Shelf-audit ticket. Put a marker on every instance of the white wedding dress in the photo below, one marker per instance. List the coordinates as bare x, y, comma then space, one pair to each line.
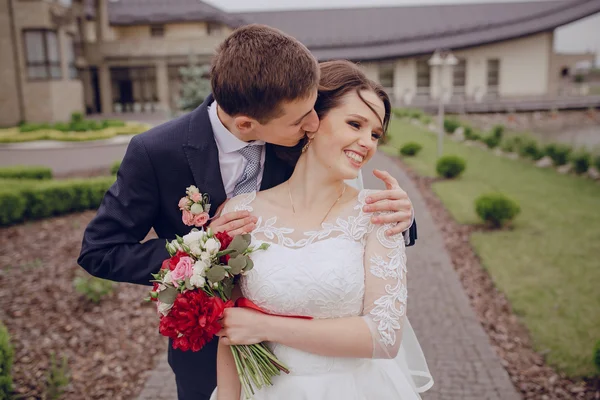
346, 268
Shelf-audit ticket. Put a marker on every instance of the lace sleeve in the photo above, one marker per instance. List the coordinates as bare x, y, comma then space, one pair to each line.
240, 203
384, 307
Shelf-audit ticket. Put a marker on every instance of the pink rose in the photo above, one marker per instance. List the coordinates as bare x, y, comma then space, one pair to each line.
201, 219
183, 202
188, 218
183, 269
196, 197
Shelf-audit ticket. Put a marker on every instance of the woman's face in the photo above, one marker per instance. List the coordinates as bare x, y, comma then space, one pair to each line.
348, 135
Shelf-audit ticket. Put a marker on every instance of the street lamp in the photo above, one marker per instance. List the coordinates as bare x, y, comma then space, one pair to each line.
440, 60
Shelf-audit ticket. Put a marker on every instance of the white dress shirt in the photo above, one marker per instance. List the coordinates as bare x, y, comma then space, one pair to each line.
232, 163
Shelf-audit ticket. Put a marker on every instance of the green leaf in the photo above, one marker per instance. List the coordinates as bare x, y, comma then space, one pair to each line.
188, 285
227, 287
216, 274
249, 265
239, 244
168, 295
237, 264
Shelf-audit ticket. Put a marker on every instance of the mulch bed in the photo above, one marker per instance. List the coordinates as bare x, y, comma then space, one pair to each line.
527, 369
110, 347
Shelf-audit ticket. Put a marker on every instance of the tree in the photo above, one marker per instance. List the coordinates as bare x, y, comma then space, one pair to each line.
195, 85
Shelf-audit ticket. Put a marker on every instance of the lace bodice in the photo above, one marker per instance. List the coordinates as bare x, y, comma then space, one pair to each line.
346, 268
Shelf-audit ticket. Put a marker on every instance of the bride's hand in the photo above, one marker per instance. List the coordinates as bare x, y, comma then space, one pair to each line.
393, 199
242, 326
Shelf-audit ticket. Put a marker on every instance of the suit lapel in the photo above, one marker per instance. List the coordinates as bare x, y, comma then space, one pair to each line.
275, 170
203, 156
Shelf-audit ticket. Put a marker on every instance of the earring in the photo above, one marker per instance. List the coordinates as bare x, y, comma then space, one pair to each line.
306, 145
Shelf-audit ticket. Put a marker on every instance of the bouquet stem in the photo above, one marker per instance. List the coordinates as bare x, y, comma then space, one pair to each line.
256, 365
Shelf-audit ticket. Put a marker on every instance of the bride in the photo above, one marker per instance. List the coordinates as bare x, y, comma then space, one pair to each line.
328, 260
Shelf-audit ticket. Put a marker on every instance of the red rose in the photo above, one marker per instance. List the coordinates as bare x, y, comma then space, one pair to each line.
193, 320
171, 263
224, 239
154, 289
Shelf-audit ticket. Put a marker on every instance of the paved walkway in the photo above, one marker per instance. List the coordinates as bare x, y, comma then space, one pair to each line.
461, 360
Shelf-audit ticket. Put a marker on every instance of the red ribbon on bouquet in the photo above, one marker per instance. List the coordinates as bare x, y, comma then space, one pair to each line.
245, 303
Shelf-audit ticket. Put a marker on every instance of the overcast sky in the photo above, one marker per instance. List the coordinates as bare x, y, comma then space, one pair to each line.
580, 36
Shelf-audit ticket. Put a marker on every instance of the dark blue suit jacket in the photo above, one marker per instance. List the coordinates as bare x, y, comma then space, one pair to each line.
158, 166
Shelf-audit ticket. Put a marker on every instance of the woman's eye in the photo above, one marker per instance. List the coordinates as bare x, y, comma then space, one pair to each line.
376, 136
354, 124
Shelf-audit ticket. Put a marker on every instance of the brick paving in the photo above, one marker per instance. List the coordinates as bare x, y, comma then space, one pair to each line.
458, 351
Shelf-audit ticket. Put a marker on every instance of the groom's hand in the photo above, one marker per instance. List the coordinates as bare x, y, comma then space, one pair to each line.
235, 223
394, 200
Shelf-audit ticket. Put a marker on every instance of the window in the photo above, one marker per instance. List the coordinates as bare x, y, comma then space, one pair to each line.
386, 74
423, 74
42, 55
213, 28
459, 74
70, 43
493, 75
157, 30
66, 3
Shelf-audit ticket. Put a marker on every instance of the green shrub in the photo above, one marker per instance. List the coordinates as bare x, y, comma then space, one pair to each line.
62, 126
426, 119
529, 148
76, 117
410, 149
491, 141
450, 166
22, 200
400, 112
597, 162
498, 131
94, 289
114, 168
511, 144
25, 172
450, 125
597, 355
471, 134
415, 113
32, 127
496, 209
559, 153
6, 361
112, 123
581, 161
57, 377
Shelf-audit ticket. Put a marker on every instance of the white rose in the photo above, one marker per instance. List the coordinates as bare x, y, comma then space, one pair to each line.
167, 277
200, 268
164, 308
192, 189
212, 246
205, 256
193, 237
195, 249
197, 280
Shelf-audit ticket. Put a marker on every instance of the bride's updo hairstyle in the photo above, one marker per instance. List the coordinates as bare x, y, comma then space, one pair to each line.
338, 78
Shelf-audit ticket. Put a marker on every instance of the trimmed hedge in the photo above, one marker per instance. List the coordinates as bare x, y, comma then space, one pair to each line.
6, 361
450, 125
581, 161
26, 200
410, 149
559, 153
114, 168
529, 148
496, 209
450, 166
26, 172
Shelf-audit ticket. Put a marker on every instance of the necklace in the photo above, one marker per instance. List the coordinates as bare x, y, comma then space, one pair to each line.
328, 211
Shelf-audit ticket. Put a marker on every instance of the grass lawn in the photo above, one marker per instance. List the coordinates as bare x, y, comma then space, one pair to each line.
549, 264
13, 135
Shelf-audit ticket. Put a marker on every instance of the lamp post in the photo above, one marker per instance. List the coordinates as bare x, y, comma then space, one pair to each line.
440, 60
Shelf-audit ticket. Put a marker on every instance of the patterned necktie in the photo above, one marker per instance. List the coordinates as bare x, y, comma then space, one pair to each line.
248, 182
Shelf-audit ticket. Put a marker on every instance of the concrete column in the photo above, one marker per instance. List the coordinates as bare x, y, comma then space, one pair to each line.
102, 23
64, 51
162, 84
405, 80
105, 88
476, 76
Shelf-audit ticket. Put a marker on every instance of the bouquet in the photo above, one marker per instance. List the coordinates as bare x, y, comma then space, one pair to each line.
193, 288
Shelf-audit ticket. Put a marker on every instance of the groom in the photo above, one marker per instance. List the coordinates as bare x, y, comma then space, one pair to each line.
264, 87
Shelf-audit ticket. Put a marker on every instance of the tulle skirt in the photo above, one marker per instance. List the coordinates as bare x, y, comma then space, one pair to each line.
314, 377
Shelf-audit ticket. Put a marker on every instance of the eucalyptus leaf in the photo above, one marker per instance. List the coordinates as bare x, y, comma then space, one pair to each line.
216, 274
239, 244
237, 264
168, 295
227, 287
249, 265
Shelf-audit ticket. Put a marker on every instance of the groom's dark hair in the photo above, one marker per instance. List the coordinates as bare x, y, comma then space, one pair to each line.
257, 68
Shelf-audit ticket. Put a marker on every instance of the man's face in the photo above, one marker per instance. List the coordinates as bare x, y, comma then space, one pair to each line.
298, 117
